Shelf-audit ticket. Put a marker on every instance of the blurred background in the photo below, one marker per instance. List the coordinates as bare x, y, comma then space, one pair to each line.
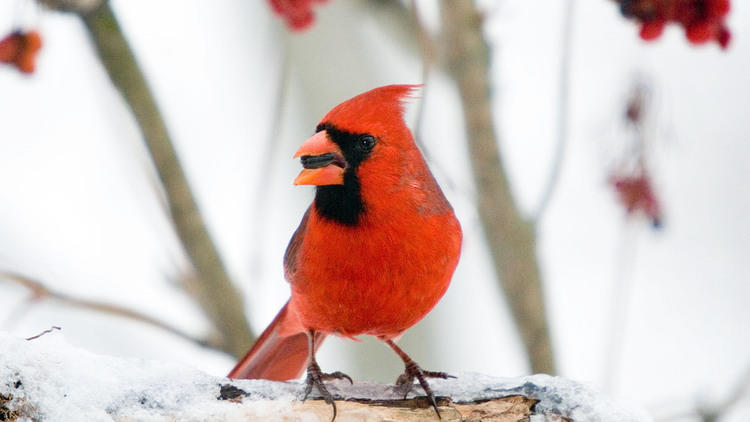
626, 159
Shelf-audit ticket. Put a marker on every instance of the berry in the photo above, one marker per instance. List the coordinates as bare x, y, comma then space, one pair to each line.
652, 30
298, 14
20, 50
703, 20
635, 192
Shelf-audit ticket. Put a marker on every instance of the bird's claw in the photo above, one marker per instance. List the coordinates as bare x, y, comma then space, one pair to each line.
405, 382
316, 378
338, 375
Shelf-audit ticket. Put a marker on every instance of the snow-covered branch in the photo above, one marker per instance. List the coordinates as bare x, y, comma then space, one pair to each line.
48, 379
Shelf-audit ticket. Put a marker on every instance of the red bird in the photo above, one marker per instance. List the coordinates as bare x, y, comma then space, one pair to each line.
374, 252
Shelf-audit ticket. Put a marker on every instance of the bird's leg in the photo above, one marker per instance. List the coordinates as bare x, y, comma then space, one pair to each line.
315, 376
405, 381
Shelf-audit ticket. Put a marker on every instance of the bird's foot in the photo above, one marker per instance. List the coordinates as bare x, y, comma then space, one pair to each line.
316, 378
405, 382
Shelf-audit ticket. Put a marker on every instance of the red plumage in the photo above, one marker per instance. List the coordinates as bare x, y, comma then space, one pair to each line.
377, 270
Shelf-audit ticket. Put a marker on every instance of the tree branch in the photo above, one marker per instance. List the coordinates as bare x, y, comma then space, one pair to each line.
563, 115
40, 291
219, 299
47, 331
510, 238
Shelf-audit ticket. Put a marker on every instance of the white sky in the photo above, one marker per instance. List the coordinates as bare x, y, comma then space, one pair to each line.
78, 210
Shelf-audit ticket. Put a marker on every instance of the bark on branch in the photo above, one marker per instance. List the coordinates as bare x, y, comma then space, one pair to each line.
511, 239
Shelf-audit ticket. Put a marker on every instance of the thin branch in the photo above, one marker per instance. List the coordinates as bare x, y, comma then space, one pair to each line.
742, 389
81, 7
713, 413
511, 239
563, 112
272, 139
217, 296
716, 412
47, 331
619, 306
41, 292
428, 50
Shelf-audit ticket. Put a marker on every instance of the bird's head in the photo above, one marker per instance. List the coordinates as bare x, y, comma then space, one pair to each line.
366, 127
361, 142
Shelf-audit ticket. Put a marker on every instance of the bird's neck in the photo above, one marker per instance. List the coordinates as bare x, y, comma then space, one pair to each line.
341, 203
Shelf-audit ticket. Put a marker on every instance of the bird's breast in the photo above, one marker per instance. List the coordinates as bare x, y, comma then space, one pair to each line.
378, 277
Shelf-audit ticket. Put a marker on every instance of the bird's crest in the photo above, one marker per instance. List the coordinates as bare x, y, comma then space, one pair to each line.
379, 107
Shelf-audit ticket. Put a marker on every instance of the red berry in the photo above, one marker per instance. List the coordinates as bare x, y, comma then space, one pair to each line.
718, 8
700, 32
9, 47
636, 194
20, 49
703, 20
652, 30
724, 37
297, 13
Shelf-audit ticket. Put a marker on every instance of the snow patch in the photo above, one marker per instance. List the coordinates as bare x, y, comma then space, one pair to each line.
55, 381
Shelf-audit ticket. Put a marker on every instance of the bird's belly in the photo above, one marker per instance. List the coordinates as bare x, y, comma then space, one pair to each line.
369, 289
375, 305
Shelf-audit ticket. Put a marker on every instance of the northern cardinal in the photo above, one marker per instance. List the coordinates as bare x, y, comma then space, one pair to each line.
374, 252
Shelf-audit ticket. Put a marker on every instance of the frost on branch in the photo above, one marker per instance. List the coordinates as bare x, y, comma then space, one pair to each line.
47, 379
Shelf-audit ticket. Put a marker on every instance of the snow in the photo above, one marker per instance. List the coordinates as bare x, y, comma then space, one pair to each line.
63, 383
52, 380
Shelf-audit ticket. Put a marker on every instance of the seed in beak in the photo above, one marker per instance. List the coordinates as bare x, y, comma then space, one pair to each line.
317, 161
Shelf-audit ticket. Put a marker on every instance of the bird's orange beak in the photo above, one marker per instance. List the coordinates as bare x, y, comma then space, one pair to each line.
323, 162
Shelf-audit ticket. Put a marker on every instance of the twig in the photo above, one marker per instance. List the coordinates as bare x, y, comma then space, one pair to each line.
510, 238
563, 114
743, 388
217, 296
47, 331
714, 413
619, 306
81, 7
40, 291
272, 139
427, 49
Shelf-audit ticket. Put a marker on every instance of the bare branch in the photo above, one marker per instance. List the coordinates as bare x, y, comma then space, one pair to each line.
715, 413
712, 412
47, 331
81, 7
563, 115
40, 291
216, 294
428, 50
511, 239
619, 306
272, 139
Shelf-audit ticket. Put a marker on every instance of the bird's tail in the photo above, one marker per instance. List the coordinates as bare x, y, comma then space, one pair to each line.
276, 355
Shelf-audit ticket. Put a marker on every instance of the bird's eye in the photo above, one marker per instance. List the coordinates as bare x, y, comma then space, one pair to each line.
367, 142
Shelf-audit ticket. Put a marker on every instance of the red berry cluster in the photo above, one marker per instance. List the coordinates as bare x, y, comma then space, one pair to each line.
298, 14
636, 194
703, 20
20, 49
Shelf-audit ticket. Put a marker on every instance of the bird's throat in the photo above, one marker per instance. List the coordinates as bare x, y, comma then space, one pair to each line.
341, 203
